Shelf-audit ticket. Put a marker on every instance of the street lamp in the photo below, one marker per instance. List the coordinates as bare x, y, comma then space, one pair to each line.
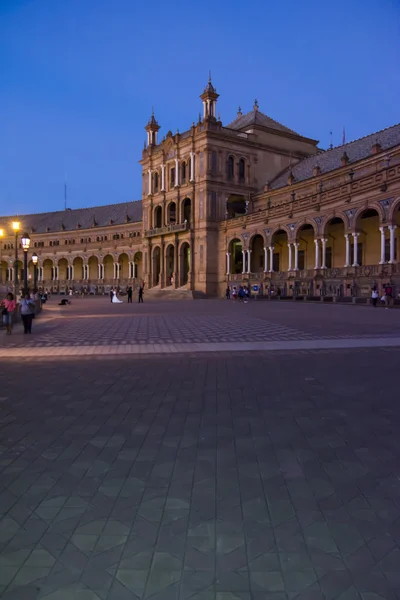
26, 242
35, 259
15, 226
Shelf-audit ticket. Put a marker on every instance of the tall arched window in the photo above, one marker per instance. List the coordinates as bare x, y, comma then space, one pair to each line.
156, 182
183, 172
242, 170
231, 167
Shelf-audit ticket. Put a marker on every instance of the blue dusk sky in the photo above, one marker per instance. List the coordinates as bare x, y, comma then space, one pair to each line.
79, 78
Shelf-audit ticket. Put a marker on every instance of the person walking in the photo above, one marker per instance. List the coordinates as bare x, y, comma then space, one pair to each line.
27, 308
111, 294
8, 306
388, 295
228, 293
374, 296
130, 295
140, 298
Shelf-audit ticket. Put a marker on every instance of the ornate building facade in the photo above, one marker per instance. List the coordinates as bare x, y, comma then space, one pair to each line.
252, 202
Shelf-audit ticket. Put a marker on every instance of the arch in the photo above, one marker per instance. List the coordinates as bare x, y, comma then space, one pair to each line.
48, 269
138, 262
158, 220
242, 170
235, 248
93, 266
3, 271
253, 235
62, 268
186, 210
169, 264
123, 261
78, 267
394, 209
333, 217
368, 210
230, 168
108, 262
257, 256
306, 225
171, 213
156, 265
278, 229
236, 205
184, 271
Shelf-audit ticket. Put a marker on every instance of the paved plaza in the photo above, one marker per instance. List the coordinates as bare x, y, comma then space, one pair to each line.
222, 474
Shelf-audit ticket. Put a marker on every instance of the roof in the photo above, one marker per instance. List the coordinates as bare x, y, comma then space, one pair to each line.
329, 160
256, 117
79, 218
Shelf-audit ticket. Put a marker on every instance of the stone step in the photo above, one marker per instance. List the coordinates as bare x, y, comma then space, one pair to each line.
168, 294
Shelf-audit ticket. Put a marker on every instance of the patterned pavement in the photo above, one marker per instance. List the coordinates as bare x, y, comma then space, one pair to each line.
254, 477
96, 326
215, 476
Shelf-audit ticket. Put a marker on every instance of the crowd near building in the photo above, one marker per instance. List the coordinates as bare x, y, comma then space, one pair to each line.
249, 203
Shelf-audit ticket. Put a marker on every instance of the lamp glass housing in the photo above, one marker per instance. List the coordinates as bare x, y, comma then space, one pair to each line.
26, 242
35, 259
16, 225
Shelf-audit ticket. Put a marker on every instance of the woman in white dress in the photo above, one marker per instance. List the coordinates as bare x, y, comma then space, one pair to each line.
115, 299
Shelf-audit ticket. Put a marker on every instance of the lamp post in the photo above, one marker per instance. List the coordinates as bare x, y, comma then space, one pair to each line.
26, 242
15, 227
35, 259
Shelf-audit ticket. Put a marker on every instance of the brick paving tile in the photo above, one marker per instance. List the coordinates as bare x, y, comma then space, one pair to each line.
213, 476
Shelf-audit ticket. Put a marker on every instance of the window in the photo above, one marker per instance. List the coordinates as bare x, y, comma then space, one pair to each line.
301, 260
189, 166
328, 257
214, 162
183, 172
242, 170
156, 182
359, 254
231, 167
387, 250
275, 262
172, 177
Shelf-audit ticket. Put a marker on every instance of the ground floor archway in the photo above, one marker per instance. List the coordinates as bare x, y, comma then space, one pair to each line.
184, 263
156, 265
169, 264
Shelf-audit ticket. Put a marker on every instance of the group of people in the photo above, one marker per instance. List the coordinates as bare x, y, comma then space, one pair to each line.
386, 298
243, 293
114, 295
26, 306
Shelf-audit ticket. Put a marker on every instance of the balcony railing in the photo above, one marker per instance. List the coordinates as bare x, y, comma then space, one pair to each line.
173, 228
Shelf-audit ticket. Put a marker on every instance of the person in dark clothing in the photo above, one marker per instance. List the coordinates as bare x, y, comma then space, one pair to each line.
140, 294
130, 295
111, 294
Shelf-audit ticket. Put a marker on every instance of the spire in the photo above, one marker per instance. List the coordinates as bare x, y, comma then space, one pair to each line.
209, 98
255, 107
239, 114
152, 129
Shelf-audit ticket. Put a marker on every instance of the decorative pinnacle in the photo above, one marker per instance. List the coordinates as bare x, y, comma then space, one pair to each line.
256, 104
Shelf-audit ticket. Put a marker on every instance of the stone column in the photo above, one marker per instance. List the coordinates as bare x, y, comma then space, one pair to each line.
355, 241
244, 261
163, 178
316, 242
271, 257
296, 256
249, 261
324, 241
192, 155
382, 230
392, 231
265, 260
228, 263
290, 257
348, 257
